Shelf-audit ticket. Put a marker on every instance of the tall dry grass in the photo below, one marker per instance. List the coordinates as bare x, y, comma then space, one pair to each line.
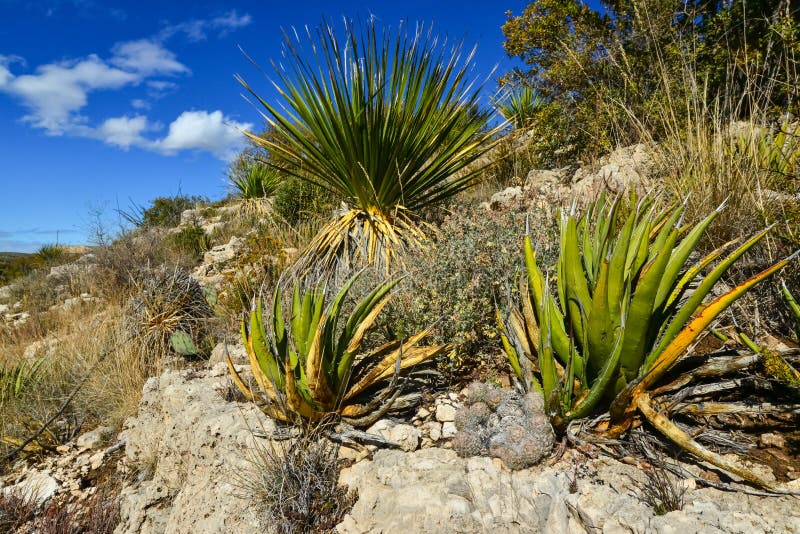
88, 342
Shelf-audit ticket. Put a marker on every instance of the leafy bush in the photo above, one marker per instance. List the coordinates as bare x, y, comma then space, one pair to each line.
457, 282
603, 68
164, 212
298, 201
191, 241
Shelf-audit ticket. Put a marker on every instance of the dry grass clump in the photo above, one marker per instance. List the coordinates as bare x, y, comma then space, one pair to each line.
296, 484
166, 300
99, 515
16, 509
660, 490
82, 345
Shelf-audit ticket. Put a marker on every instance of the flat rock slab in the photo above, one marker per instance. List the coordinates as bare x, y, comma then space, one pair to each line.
433, 490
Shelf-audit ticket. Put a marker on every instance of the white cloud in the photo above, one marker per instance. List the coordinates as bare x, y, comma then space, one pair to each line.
125, 132
138, 103
147, 58
197, 30
201, 130
231, 21
57, 92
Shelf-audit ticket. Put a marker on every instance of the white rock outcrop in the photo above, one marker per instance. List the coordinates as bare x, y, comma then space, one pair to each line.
189, 451
433, 491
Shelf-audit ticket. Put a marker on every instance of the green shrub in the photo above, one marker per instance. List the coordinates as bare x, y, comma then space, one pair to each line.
457, 282
191, 241
298, 201
164, 212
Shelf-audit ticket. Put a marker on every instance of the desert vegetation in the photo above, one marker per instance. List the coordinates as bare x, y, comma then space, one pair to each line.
365, 262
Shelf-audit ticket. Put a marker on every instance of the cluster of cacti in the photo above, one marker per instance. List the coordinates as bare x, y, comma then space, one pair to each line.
503, 424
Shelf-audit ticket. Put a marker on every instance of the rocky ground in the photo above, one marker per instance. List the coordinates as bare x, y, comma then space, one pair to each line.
189, 451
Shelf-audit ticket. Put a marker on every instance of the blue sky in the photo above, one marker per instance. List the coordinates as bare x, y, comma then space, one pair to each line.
107, 103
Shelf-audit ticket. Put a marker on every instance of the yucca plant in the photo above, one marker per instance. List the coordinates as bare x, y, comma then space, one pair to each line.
518, 106
255, 185
623, 313
311, 367
386, 122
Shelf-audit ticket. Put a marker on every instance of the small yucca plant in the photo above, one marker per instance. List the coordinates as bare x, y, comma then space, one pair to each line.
310, 366
386, 123
256, 185
623, 313
518, 106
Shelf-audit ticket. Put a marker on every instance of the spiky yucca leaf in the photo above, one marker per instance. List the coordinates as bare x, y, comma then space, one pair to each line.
256, 185
304, 366
519, 105
386, 122
620, 321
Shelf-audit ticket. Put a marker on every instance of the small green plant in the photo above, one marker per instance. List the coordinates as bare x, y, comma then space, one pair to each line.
183, 344
794, 308
191, 241
622, 316
383, 122
50, 254
256, 185
14, 380
519, 106
308, 367
660, 490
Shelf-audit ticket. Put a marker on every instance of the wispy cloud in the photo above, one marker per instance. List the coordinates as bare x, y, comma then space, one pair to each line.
56, 95
198, 29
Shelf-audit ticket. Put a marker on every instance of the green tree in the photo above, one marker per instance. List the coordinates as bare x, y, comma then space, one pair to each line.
631, 58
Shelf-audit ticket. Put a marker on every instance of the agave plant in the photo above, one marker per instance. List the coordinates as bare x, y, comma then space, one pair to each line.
310, 367
387, 123
519, 105
624, 313
255, 185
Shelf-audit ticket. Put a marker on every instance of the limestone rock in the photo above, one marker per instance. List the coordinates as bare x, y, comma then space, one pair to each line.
36, 485
507, 197
433, 490
236, 351
95, 438
445, 413
407, 436
189, 445
224, 253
